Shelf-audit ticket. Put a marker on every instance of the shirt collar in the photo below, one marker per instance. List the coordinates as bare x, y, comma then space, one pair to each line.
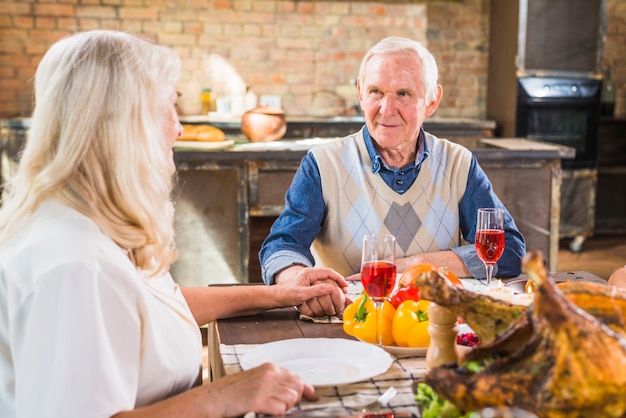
377, 160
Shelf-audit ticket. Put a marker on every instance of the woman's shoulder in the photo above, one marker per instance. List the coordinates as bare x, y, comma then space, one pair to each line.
58, 225
57, 235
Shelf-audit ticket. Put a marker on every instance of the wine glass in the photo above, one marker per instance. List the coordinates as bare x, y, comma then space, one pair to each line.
490, 237
378, 273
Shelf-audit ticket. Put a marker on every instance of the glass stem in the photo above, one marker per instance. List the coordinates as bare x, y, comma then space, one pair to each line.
489, 268
378, 306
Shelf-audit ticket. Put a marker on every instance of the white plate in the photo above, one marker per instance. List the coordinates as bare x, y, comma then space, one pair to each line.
322, 361
417, 351
405, 351
402, 351
421, 351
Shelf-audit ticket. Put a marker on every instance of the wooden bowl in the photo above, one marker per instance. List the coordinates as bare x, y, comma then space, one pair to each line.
264, 124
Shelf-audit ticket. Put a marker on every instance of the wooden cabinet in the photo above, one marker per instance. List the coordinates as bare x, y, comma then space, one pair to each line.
225, 204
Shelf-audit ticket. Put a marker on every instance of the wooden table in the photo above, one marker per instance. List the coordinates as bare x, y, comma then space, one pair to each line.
285, 323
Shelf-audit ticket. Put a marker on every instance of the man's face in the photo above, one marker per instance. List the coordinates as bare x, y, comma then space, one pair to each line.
392, 95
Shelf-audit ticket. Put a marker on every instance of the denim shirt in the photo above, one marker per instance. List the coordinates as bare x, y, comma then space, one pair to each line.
290, 238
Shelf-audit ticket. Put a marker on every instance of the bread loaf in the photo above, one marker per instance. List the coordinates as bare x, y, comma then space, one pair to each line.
205, 133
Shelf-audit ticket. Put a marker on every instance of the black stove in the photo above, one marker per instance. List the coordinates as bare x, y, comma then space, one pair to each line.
563, 111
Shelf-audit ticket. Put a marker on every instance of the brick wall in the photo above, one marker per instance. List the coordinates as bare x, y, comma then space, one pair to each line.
305, 51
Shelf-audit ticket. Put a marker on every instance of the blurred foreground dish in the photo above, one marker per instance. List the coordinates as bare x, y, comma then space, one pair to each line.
564, 356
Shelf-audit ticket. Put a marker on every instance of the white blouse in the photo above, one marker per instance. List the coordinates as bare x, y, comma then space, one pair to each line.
82, 332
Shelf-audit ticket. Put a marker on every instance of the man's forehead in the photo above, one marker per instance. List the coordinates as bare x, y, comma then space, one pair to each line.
404, 74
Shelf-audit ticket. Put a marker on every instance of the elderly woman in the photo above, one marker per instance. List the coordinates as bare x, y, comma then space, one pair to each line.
91, 322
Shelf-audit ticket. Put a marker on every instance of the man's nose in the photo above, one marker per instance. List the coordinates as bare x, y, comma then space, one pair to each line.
388, 104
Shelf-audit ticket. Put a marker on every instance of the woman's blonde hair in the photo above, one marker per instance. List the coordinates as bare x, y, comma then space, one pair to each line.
97, 142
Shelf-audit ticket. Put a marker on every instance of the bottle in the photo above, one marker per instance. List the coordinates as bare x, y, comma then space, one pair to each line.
250, 99
205, 98
607, 98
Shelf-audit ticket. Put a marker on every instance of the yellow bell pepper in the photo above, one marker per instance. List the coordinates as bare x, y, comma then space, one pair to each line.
359, 320
410, 324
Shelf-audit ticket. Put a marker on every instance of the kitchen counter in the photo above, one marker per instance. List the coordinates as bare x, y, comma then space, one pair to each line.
491, 148
299, 127
227, 199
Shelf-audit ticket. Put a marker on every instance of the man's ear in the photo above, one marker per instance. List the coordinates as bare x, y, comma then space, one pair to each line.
434, 104
358, 89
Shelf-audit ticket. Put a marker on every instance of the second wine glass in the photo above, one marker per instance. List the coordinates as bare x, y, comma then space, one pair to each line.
490, 237
378, 273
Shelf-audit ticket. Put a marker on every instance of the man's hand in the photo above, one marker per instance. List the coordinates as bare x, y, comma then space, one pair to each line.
315, 291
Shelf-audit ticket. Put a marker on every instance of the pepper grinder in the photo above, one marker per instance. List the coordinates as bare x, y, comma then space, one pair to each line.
442, 330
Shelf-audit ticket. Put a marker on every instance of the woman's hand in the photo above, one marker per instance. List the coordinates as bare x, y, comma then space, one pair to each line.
267, 389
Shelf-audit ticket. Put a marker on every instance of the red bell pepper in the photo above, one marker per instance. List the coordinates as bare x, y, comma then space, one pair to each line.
405, 292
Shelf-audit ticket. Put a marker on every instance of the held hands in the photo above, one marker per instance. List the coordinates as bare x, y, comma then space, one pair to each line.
267, 389
315, 291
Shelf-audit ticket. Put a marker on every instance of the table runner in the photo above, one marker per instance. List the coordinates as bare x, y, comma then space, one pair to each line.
345, 399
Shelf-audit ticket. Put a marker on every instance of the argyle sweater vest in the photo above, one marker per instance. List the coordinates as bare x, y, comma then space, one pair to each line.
358, 202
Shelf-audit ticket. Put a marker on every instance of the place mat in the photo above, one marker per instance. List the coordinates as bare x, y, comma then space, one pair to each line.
346, 399
322, 319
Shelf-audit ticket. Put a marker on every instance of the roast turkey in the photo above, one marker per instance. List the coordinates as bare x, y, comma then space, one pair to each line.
564, 356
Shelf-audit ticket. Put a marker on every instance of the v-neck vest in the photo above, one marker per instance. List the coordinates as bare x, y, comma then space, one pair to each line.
359, 202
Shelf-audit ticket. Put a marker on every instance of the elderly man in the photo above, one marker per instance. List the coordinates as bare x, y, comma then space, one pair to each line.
390, 177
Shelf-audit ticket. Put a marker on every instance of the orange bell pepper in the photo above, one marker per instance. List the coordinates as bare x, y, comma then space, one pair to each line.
359, 320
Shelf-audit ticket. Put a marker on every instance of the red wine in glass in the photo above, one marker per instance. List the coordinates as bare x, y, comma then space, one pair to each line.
490, 244
378, 278
378, 273
489, 239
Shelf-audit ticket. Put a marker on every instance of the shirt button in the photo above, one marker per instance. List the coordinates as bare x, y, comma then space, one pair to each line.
399, 182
